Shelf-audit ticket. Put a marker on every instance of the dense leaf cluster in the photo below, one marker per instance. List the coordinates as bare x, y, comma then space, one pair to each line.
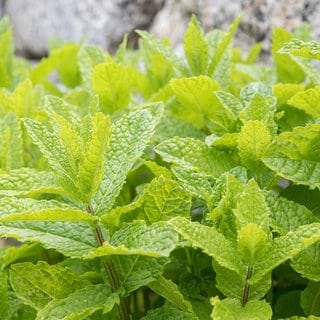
145, 185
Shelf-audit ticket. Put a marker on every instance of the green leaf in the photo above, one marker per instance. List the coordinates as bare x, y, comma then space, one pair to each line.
88, 57
11, 148
210, 241
288, 70
252, 208
199, 103
307, 262
136, 271
304, 172
53, 149
308, 101
252, 243
70, 238
297, 47
92, 165
223, 46
164, 198
112, 83
4, 294
38, 284
6, 53
310, 299
170, 291
23, 99
167, 312
286, 215
165, 50
28, 182
129, 137
135, 238
196, 48
196, 155
253, 140
80, 304
232, 309
286, 247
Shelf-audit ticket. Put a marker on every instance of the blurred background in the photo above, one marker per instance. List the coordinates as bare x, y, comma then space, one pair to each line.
104, 22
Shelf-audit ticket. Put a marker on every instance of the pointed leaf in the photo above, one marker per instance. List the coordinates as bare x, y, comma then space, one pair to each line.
232, 309
196, 48
80, 304
70, 238
196, 155
297, 47
210, 241
38, 284
28, 182
130, 135
170, 291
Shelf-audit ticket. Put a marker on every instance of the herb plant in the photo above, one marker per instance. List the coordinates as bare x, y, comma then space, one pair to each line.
145, 185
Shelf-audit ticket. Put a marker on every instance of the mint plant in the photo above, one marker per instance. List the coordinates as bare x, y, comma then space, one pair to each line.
145, 185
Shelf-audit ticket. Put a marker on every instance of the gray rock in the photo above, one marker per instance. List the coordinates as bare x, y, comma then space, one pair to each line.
99, 22
259, 17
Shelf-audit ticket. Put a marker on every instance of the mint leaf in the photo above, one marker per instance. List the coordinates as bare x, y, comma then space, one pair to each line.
4, 293
297, 47
196, 48
170, 291
80, 304
233, 310
38, 284
167, 312
130, 136
196, 155
310, 299
28, 182
6, 53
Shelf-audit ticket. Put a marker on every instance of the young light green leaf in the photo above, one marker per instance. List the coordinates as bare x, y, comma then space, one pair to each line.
232, 309
288, 70
38, 284
23, 99
28, 182
308, 101
11, 148
74, 239
130, 136
307, 262
111, 82
6, 53
196, 48
252, 243
310, 299
297, 47
170, 291
196, 155
253, 140
88, 57
210, 241
252, 207
91, 165
164, 198
80, 304
167, 312
53, 149
165, 50
286, 215
223, 46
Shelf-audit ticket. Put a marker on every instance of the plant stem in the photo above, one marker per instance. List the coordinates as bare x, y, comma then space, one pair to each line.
123, 307
246, 289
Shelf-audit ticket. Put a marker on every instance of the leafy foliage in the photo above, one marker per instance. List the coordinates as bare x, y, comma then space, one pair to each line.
145, 185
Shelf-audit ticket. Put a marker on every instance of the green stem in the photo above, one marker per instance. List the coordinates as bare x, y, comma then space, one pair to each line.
110, 269
246, 289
